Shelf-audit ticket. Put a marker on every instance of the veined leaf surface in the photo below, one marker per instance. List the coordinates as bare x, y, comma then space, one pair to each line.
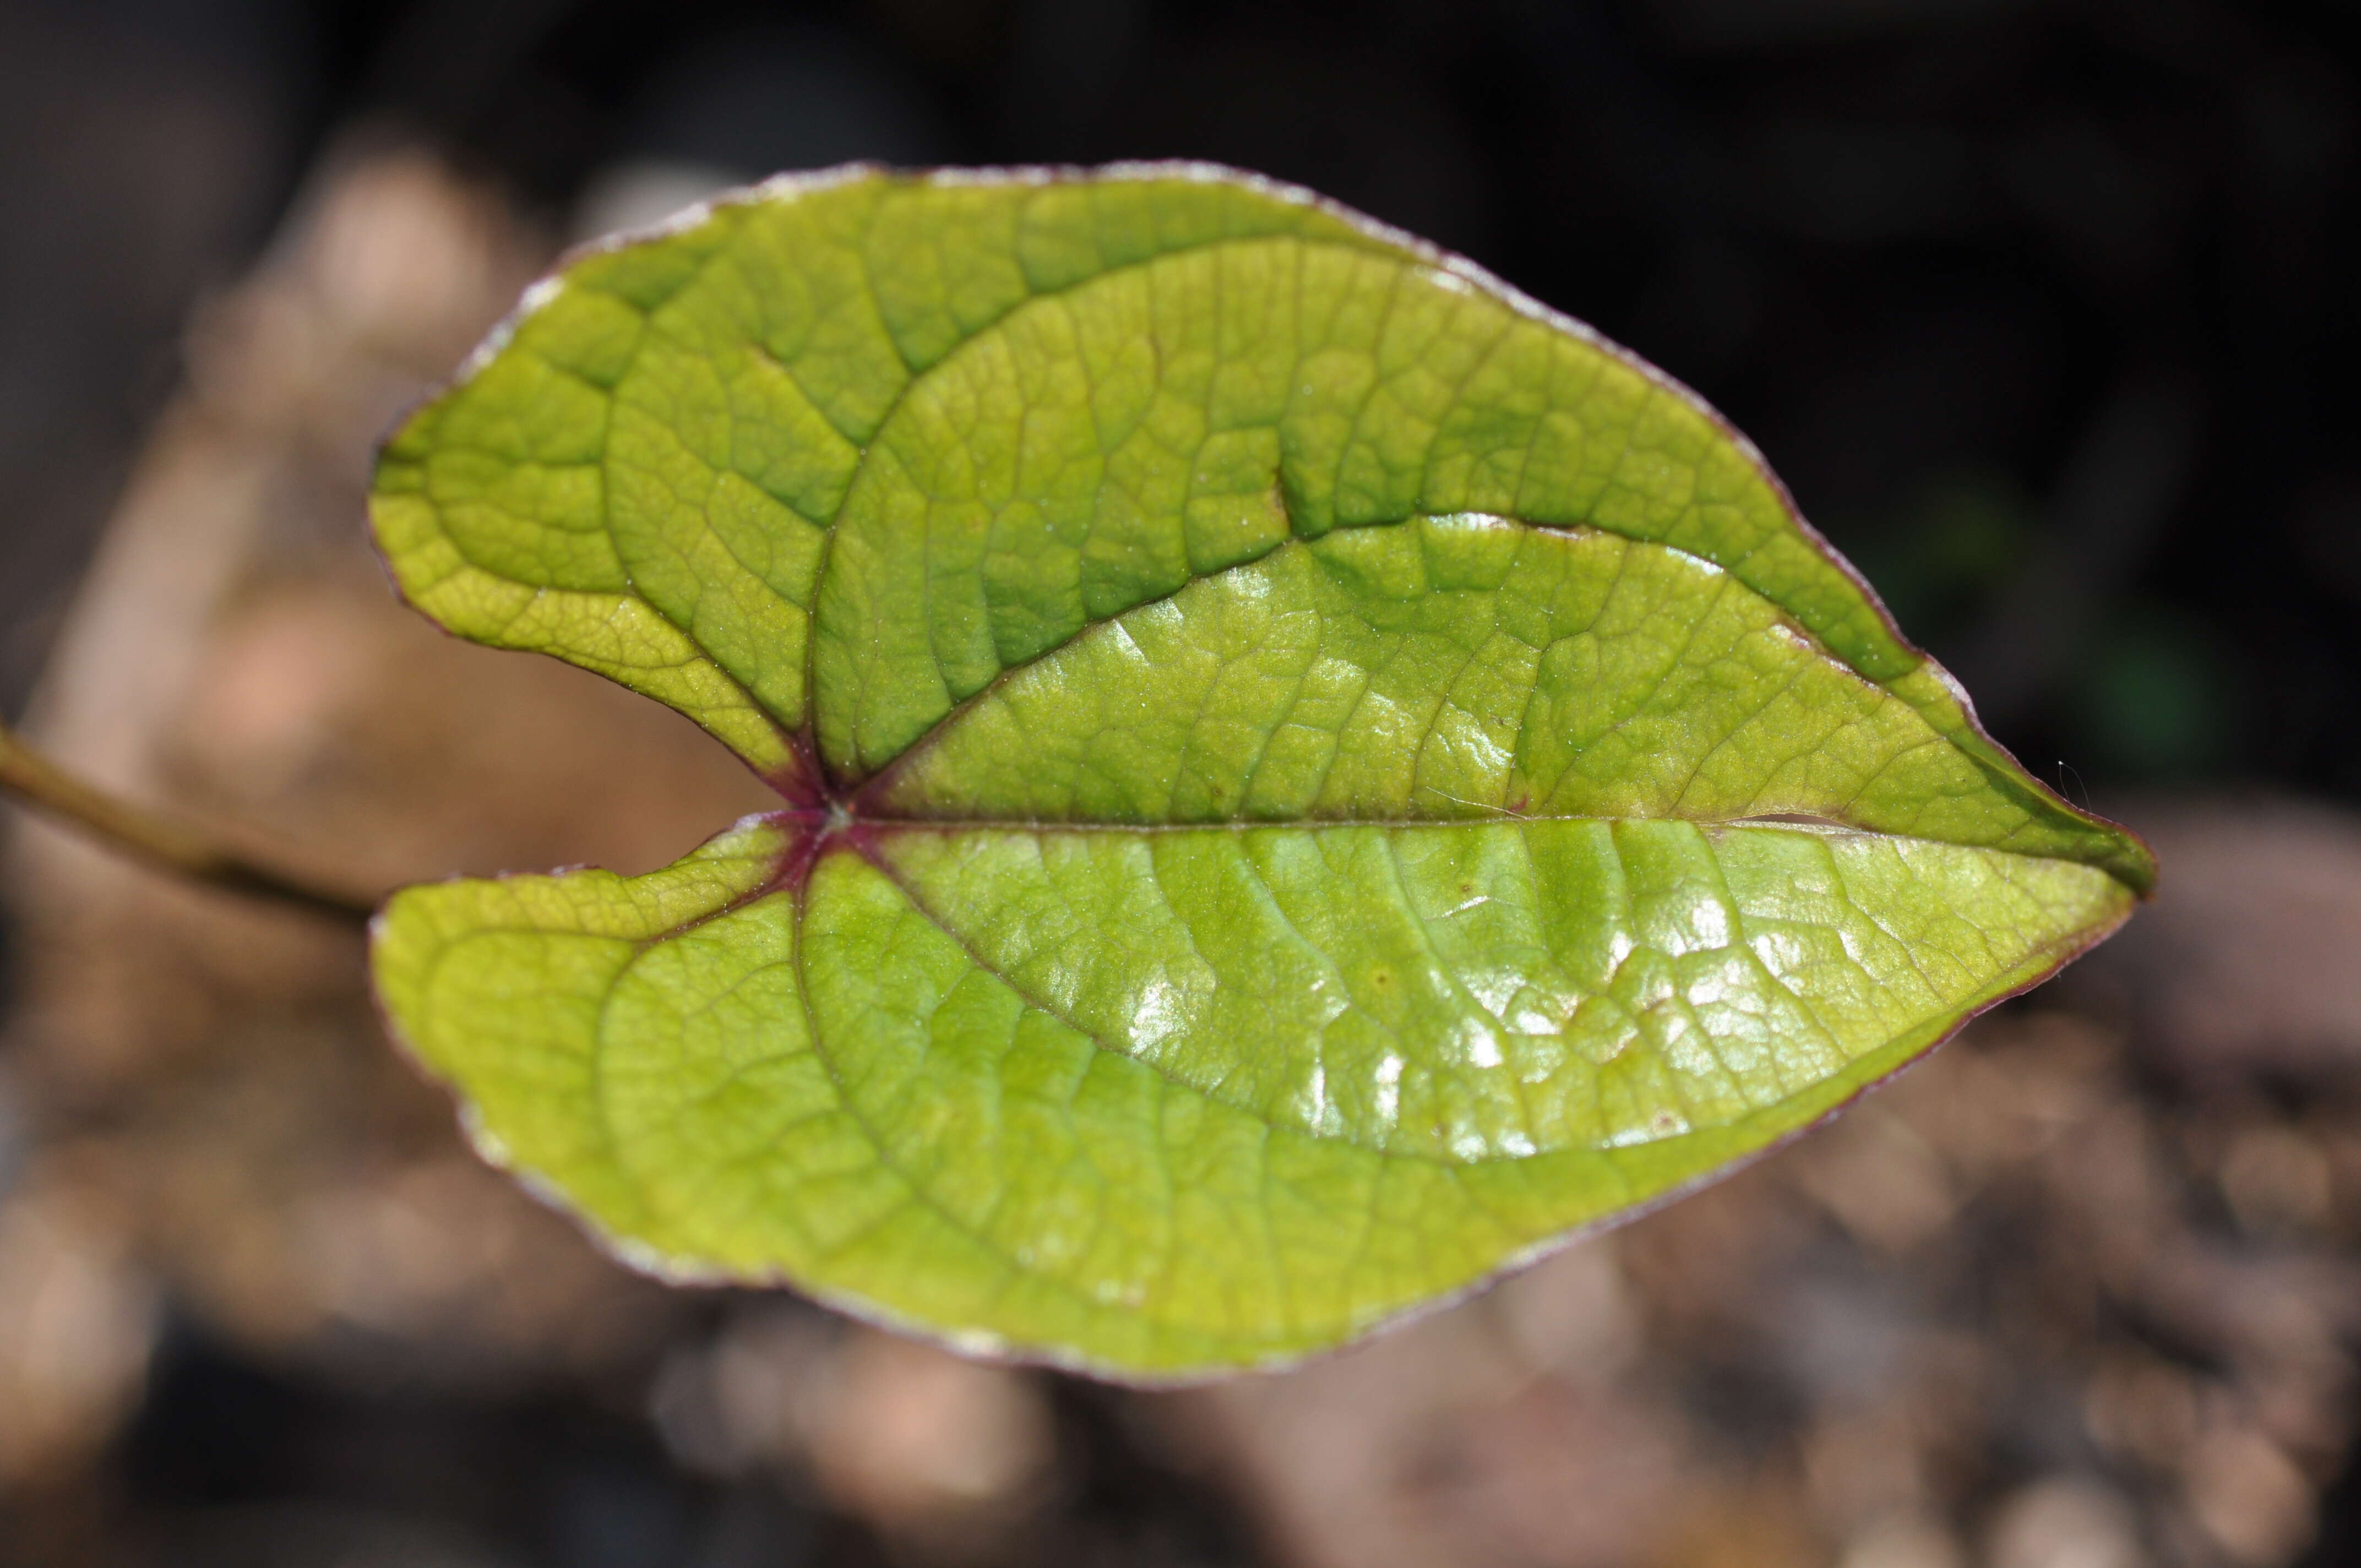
1305, 777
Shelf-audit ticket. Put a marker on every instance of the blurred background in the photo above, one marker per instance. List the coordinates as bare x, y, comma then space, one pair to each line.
2045, 313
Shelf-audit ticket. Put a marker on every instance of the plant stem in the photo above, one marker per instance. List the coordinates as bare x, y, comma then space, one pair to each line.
171, 846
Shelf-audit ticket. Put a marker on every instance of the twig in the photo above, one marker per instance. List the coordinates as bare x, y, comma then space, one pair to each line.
171, 846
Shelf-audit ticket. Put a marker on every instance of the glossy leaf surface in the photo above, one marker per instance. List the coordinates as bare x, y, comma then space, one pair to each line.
1275, 733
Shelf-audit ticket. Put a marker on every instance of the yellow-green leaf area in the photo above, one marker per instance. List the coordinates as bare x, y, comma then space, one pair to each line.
1305, 777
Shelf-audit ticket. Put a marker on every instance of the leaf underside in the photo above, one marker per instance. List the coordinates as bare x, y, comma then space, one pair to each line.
1304, 776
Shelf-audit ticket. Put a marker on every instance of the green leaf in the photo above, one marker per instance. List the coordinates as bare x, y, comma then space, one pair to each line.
1305, 777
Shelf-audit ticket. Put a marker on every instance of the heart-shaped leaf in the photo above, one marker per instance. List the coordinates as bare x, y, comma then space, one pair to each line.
1306, 776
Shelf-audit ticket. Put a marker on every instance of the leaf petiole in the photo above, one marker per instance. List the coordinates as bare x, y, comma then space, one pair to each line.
168, 845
